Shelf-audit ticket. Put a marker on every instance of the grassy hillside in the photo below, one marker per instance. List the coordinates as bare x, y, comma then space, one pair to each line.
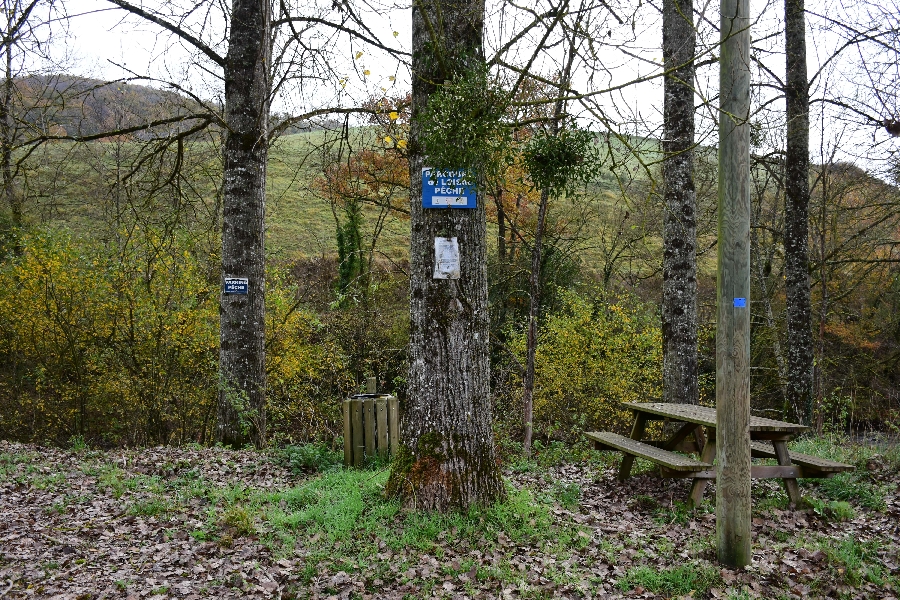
612, 229
300, 219
74, 186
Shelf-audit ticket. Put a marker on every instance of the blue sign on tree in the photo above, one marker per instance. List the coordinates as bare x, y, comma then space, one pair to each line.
448, 189
236, 285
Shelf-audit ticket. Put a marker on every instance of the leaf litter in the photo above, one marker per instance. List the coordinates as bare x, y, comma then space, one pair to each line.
139, 524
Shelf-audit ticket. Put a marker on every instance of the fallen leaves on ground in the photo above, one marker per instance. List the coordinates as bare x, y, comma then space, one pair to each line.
85, 525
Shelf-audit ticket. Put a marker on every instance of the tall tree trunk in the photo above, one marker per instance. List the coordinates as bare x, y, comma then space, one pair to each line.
6, 137
447, 458
241, 407
501, 227
823, 305
679, 303
533, 309
796, 223
535, 280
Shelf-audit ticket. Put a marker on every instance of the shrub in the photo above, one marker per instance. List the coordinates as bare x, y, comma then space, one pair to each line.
119, 345
594, 354
310, 458
305, 369
113, 346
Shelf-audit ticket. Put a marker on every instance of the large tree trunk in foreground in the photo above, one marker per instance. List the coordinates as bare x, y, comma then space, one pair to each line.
447, 457
679, 304
796, 222
241, 410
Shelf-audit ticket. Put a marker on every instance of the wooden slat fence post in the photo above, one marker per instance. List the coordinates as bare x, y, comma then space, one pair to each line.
371, 427
394, 424
356, 432
348, 442
381, 426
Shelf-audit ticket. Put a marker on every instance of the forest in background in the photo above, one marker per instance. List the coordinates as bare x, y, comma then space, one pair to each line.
109, 284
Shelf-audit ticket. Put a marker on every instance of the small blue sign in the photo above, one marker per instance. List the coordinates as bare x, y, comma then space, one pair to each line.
740, 303
236, 285
448, 189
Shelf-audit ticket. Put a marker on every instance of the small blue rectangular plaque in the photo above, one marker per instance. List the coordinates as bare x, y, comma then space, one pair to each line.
740, 303
236, 285
448, 189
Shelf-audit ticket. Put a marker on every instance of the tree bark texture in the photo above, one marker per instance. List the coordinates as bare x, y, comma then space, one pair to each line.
241, 407
533, 310
679, 304
6, 138
733, 290
796, 225
447, 458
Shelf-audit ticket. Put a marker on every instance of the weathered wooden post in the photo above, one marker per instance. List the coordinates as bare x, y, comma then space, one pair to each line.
733, 290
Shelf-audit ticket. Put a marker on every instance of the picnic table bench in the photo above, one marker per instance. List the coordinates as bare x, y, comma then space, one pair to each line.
697, 434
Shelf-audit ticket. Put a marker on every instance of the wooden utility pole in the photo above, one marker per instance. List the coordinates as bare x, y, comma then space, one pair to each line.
733, 290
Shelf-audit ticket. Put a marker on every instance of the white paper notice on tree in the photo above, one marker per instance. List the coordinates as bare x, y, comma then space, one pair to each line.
446, 258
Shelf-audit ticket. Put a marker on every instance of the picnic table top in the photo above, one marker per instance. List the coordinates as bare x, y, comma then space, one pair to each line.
706, 416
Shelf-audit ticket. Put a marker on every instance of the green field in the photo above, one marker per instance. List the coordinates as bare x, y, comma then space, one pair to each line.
615, 221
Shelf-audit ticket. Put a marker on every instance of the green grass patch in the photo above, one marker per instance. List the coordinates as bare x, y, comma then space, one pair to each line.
776, 498
9, 461
677, 581
840, 448
567, 494
309, 458
833, 510
347, 509
679, 513
855, 486
240, 520
44, 481
854, 561
151, 507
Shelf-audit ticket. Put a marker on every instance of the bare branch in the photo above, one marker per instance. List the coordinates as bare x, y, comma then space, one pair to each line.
184, 35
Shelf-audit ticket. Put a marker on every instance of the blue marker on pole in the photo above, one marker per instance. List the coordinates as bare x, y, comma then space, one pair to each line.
740, 303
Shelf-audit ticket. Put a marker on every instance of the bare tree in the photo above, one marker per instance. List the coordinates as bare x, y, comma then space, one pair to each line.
796, 221
27, 29
679, 302
263, 54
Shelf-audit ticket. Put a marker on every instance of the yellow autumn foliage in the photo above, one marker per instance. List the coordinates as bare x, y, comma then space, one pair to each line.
306, 372
117, 347
594, 354
121, 347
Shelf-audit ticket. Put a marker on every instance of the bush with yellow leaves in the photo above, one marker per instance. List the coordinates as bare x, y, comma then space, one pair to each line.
120, 346
595, 353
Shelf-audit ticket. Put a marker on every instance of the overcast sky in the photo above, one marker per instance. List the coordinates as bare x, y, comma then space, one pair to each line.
105, 43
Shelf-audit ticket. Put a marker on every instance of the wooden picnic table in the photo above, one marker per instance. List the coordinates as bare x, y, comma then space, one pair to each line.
697, 434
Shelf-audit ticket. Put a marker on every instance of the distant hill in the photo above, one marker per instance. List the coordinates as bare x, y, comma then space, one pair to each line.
63, 104
68, 105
